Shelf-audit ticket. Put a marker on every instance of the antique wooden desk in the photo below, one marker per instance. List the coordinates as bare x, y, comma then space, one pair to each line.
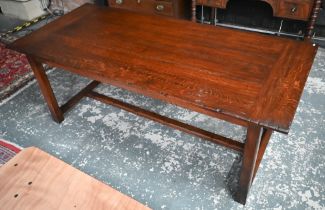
305, 10
245, 78
172, 8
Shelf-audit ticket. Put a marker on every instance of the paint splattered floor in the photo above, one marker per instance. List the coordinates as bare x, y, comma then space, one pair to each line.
168, 169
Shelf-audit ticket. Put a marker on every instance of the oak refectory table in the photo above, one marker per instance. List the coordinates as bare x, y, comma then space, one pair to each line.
245, 78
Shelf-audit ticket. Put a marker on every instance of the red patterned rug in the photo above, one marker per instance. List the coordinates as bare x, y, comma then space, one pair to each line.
15, 71
7, 151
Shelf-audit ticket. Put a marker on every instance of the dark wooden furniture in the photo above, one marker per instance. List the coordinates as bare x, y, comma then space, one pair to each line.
305, 10
172, 8
312, 19
245, 78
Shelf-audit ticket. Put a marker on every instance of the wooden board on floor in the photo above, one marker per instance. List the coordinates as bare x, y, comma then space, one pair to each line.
35, 180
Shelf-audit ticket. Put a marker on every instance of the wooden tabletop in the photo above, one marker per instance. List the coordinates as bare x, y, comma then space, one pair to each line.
36, 180
213, 70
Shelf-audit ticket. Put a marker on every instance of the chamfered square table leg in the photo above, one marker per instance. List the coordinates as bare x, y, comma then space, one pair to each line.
267, 133
46, 89
251, 148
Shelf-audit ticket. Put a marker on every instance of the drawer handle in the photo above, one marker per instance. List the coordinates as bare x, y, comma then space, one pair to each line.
293, 9
160, 7
119, 1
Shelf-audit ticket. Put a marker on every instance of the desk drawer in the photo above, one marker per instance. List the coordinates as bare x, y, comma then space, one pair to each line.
293, 9
212, 3
145, 6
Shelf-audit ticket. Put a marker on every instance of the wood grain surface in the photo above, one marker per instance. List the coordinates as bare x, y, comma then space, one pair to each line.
216, 71
36, 180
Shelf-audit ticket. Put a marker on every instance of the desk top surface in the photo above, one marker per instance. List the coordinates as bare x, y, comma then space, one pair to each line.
213, 70
36, 180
